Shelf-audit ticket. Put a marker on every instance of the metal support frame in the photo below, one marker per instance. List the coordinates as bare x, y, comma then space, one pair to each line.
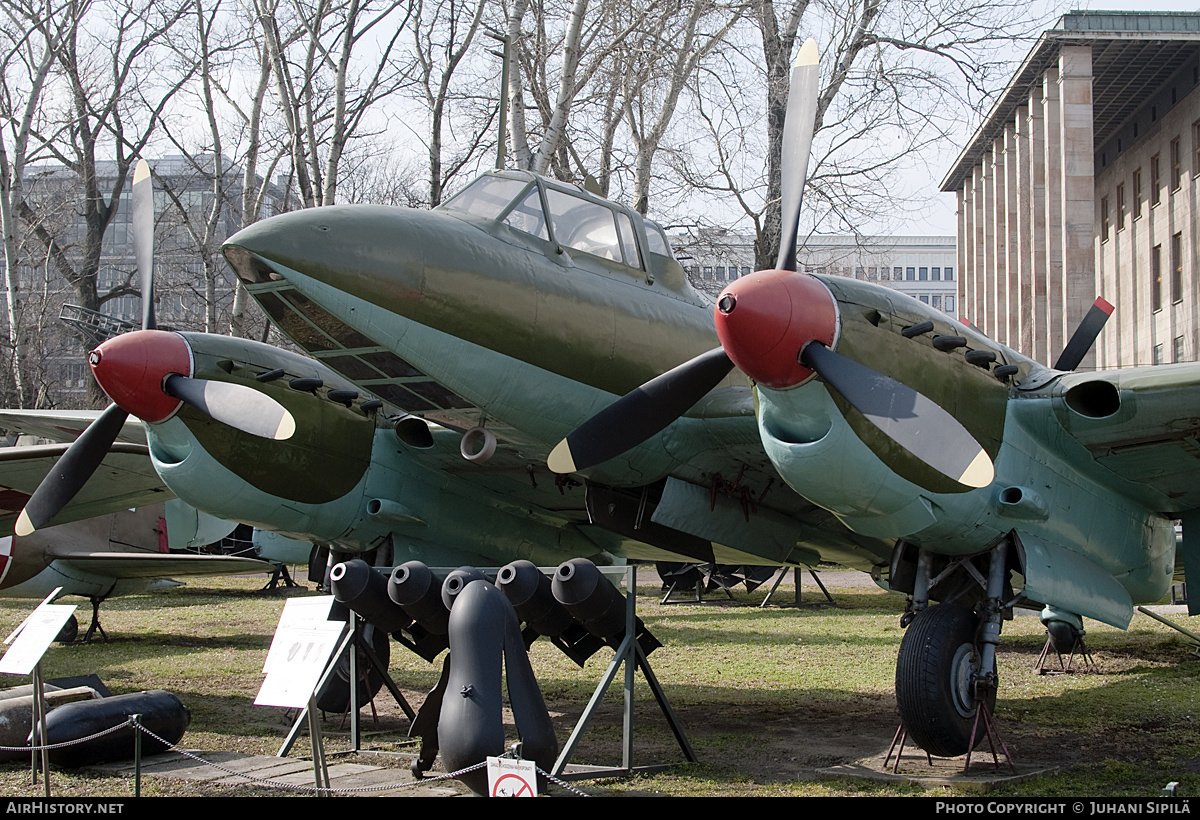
41, 755
796, 581
631, 655
298, 724
352, 637
1192, 636
1078, 647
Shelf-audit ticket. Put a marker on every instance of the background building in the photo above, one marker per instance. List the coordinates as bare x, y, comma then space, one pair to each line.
189, 294
921, 266
1082, 182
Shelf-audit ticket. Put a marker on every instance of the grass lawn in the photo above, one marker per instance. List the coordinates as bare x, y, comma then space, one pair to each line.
767, 696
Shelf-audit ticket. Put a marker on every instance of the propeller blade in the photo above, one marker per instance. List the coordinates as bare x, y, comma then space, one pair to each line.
143, 238
241, 407
640, 414
910, 419
797, 141
72, 471
1085, 335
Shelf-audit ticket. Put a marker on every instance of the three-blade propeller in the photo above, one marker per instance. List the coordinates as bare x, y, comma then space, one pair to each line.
780, 327
241, 407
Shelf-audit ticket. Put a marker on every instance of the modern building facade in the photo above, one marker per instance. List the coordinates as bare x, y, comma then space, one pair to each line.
924, 267
1083, 181
183, 199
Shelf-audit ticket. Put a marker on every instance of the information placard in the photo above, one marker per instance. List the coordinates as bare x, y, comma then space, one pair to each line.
303, 643
37, 633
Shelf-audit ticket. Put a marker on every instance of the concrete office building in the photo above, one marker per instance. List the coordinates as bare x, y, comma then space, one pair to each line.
1082, 182
921, 266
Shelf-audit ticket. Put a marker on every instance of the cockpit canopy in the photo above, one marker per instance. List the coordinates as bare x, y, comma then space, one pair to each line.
577, 220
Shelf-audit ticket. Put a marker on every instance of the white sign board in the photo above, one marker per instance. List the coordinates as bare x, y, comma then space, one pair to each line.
36, 634
511, 778
303, 644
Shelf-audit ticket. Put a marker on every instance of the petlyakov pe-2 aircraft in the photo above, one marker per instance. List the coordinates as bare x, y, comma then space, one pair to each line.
801, 418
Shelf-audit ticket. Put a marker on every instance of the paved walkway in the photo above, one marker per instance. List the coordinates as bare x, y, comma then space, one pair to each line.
360, 779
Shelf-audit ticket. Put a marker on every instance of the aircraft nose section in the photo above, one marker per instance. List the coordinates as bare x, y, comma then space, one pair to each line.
132, 367
764, 320
342, 246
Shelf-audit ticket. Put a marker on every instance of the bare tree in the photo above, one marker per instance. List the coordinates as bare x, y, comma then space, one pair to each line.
896, 77
443, 31
326, 87
102, 100
662, 55
573, 55
31, 38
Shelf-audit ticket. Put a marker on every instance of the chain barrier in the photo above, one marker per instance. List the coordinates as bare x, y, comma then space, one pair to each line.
65, 744
271, 783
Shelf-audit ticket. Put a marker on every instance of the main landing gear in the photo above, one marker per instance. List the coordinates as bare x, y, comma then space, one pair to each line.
946, 667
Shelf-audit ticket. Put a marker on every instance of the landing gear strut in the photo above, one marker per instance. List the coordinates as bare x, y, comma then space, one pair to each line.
941, 681
946, 667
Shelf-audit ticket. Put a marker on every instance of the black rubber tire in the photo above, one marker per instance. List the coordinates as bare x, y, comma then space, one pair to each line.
69, 631
933, 668
334, 696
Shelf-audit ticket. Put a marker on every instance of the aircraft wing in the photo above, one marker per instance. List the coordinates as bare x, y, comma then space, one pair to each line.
1143, 425
159, 565
64, 425
125, 479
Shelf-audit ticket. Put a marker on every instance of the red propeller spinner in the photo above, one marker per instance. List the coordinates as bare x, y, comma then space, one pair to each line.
764, 320
133, 367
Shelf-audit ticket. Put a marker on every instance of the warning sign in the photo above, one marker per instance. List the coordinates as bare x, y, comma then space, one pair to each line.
511, 778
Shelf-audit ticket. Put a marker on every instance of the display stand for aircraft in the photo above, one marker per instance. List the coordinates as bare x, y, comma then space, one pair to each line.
629, 654
796, 580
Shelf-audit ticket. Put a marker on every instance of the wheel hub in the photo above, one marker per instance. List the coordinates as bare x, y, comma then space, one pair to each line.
962, 678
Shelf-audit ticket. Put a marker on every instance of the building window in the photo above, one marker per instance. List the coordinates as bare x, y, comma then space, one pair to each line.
910, 274
1104, 219
1178, 349
1137, 193
1120, 206
1176, 165
1155, 181
937, 301
1177, 268
745, 271
1156, 278
949, 304
860, 273
948, 274
1157, 355
923, 274
935, 274
1196, 148
897, 273
872, 274
708, 271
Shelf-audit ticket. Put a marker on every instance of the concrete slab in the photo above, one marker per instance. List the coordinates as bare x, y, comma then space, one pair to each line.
916, 768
